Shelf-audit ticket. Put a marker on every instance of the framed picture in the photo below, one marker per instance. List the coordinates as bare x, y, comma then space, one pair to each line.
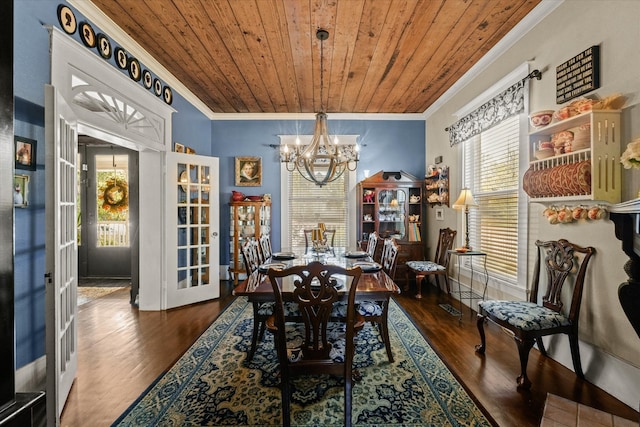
189, 150
178, 148
20, 191
249, 171
25, 153
440, 214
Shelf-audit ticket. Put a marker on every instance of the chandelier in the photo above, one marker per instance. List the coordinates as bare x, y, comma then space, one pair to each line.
320, 162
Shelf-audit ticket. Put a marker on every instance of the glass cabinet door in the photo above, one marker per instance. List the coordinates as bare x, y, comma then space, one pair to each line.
391, 213
265, 220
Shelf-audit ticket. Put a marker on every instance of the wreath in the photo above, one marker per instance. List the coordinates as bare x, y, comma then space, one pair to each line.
114, 194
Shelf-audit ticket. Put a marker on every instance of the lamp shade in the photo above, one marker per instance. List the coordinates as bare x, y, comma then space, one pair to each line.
465, 200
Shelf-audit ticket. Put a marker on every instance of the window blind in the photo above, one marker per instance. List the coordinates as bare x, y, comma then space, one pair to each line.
310, 204
491, 172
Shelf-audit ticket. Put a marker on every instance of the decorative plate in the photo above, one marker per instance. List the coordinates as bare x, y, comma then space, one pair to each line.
368, 267
356, 254
168, 95
283, 256
121, 58
263, 268
134, 69
87, 34
104, 46
67, 19
147, 80
157, 87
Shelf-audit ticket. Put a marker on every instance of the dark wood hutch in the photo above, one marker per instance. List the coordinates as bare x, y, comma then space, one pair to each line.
390, 203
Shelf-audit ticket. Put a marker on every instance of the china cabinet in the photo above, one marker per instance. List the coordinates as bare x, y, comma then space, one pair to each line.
249, 219
436, 186
576, 159
390, 203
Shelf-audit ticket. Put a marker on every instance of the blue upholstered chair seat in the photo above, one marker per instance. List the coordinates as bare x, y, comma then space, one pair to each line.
524, 315
369, 308
295, 338
424, 266
365, 308
290, 309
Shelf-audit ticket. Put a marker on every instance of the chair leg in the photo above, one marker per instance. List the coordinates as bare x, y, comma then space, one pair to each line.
480, 348
286, 404
575, 354
419, 278
384, 330
255, 333
347, 400
524, 347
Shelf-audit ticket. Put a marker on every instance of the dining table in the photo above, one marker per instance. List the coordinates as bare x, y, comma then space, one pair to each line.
374, 284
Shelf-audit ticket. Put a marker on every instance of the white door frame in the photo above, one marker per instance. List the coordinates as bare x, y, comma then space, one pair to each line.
74, 70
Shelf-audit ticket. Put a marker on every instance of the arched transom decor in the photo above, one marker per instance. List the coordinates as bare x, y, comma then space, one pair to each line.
111, 107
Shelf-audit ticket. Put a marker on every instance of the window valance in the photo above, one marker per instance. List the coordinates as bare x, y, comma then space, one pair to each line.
506, 104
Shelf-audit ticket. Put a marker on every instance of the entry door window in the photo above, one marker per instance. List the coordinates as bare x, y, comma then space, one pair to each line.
112, 200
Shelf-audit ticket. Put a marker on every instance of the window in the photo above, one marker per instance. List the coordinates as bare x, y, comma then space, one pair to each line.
491, 169
305, 204
112, 200
310, 204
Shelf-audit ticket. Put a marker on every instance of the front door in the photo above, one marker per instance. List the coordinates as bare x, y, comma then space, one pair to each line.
61, 252
108, 200
192, 229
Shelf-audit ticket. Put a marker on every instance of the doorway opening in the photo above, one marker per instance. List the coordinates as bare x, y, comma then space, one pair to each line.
107, 220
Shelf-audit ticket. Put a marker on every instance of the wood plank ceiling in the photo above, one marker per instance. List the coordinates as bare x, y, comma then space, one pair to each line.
262, 56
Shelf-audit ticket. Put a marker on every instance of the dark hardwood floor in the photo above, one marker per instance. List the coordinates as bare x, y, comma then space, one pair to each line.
122, 351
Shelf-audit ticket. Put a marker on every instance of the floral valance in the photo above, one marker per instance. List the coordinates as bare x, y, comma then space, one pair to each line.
504, 105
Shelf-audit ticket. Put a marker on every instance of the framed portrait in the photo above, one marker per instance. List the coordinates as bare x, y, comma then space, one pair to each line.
20, 191
178, 148
249, 171
25, 153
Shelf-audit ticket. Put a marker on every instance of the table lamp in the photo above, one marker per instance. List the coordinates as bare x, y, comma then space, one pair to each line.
465, 201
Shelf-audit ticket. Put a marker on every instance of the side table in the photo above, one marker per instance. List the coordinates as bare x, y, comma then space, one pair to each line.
470, 294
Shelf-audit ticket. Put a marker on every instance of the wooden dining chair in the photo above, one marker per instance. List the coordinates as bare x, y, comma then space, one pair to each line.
530, 320
330, 235
250, 249
315, 292
438, 267
377, 312
261, 311
371, 244
265, 247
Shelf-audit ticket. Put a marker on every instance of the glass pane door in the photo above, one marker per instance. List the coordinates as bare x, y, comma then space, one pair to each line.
193, 212
391, 213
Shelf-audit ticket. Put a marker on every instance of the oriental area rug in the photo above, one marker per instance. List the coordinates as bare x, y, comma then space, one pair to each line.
213, 385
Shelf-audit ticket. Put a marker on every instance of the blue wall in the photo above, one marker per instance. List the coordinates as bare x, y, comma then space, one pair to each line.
385, 145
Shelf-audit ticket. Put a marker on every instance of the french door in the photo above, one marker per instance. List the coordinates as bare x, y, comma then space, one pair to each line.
192, 226
61, 280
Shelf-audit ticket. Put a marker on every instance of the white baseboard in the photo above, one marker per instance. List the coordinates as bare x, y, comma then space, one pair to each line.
224, 272
32, 377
